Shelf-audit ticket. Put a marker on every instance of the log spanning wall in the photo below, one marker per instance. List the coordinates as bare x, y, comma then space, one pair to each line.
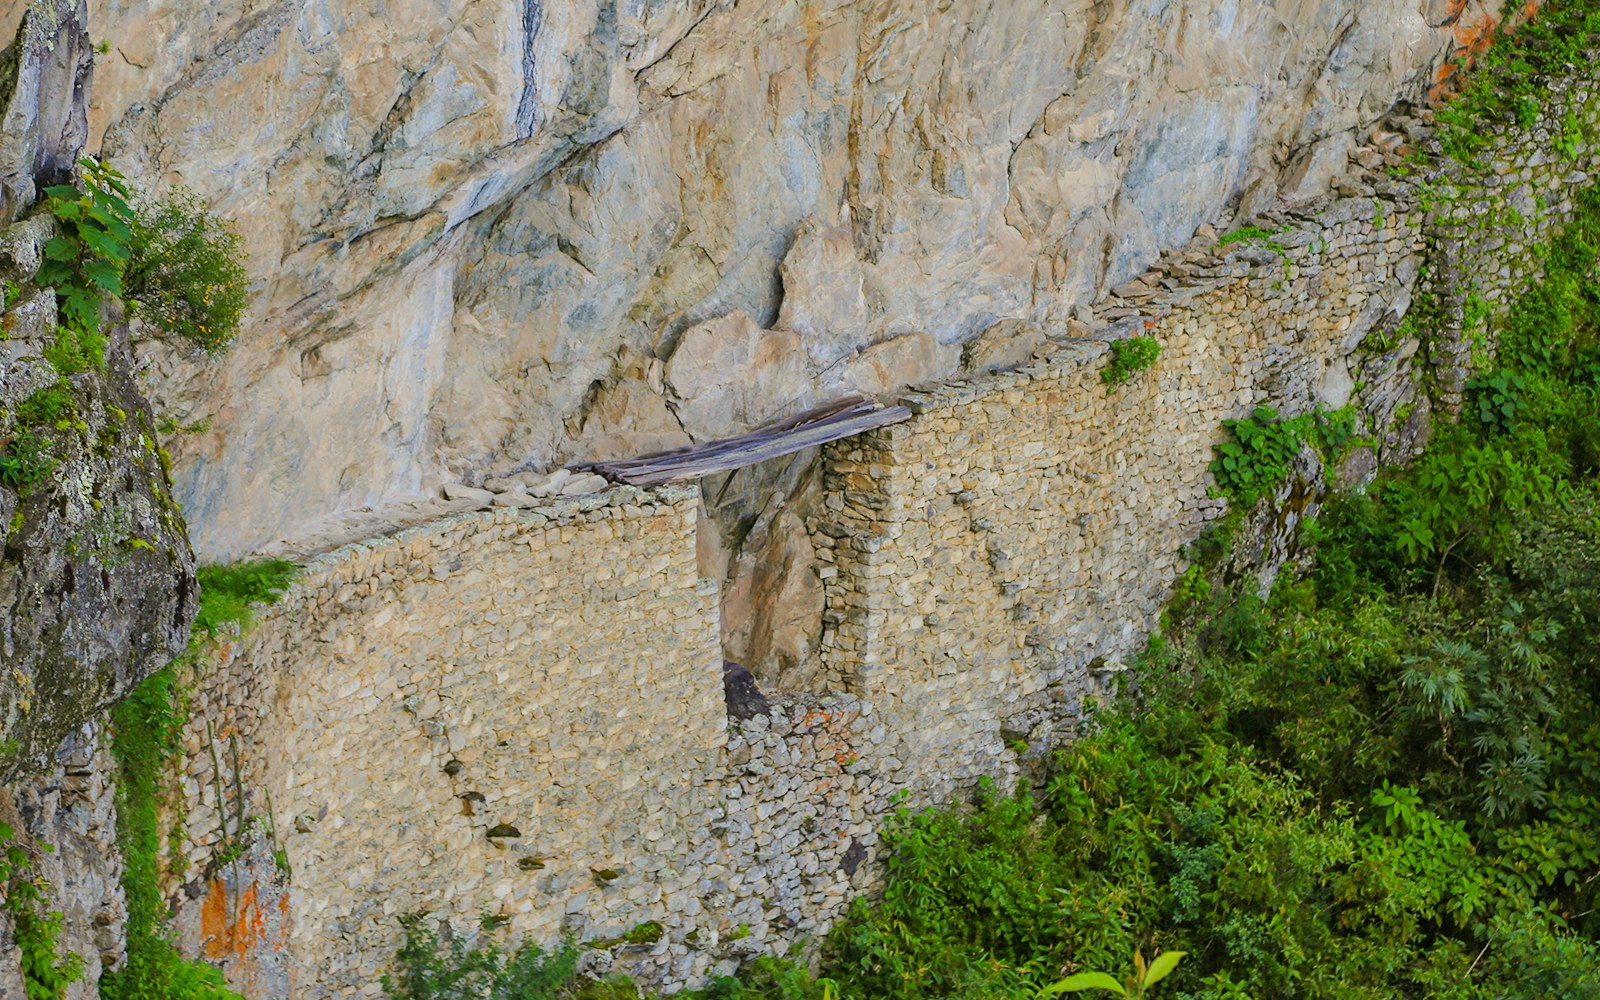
521, 713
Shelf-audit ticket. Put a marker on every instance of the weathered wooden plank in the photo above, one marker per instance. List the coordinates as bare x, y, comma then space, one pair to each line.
829, 411
840, 419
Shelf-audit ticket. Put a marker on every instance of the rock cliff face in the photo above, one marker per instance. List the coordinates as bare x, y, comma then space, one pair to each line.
44, 84
502, 234
96, 573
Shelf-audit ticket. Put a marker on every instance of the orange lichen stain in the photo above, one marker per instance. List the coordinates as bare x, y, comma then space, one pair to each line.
1472, 38
233, 928
283, 925
214, 928
815, 718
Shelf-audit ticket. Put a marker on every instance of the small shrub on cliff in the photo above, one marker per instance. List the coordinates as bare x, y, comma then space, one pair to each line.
179, 266
1128, 357
1256, 459
187, 274
228, 591
84, 262
24, 460
434, 967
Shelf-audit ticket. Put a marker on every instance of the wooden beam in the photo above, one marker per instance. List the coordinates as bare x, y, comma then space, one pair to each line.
830, 422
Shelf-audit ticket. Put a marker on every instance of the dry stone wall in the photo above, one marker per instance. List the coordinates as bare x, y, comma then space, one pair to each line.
484, 714
1488, 223
520, 713
1001, 553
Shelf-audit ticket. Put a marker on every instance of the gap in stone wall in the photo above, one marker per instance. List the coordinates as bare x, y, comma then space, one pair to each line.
753, 541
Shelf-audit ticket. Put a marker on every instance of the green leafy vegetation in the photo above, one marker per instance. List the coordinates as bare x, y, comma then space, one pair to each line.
1252, 234
1384, 781
431, 965
46, 973
1136, 985
428, 968
85, 261
1255, 459
1506, 88
147, 735
1128, 357
227, 591
25, 459
178, 265
187, 274
45, 406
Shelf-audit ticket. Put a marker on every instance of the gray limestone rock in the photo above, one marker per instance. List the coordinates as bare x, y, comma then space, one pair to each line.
44, 83
1006, 344
484, 231
96, 578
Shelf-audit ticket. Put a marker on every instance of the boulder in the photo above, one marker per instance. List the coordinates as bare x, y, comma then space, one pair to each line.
1007, 344
728, 375
824, 297
97, 585
897, 363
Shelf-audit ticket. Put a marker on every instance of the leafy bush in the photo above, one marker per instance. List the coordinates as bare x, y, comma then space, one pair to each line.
228, 591
769, 978
429, 968
44, 407
176, 263
1255, 460
1137, 985
24, 460
1499, 399
1134, 354
187, 273
85, 261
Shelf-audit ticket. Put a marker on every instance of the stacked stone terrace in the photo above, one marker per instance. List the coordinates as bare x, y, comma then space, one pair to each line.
520, 712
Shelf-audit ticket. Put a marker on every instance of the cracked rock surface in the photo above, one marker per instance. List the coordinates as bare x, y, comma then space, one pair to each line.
479, 231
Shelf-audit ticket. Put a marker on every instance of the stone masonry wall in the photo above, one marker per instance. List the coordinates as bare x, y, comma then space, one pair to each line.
477, 715
1486, 224
520, 713
1004, 550
997, 556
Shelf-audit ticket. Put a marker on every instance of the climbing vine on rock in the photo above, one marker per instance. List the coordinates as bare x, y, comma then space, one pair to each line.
46, 973
147, 730
1255, 460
